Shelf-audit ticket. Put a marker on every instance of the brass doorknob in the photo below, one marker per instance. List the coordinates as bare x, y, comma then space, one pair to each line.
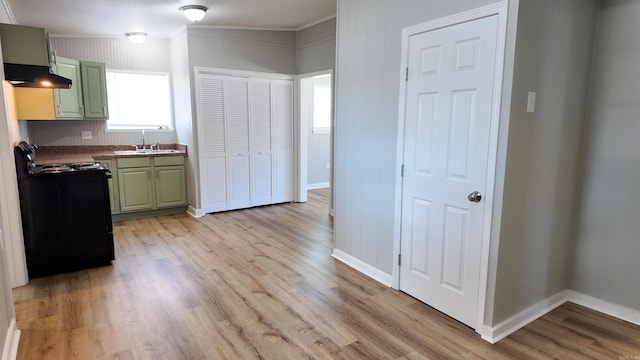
474, 197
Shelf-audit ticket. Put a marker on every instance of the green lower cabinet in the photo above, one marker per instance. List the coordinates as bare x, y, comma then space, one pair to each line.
135, 186
147, 186
170, 186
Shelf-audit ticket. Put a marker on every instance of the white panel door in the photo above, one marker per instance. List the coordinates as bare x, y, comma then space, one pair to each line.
447, 125
236, 92
212, 112
261, 160
282, 115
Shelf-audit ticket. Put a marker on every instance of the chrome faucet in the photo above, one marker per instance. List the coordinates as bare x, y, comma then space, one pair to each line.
143, 140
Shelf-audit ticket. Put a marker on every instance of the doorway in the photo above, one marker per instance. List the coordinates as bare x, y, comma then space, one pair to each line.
316, 119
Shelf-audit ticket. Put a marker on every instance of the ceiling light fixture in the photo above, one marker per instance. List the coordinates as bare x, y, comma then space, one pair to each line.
136, 37
194, 13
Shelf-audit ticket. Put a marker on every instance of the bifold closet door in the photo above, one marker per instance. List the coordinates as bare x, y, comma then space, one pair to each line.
214, 145
236, 91
282, 114
261, 152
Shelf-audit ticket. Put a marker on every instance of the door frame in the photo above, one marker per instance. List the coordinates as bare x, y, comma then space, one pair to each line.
501, 10
302, 137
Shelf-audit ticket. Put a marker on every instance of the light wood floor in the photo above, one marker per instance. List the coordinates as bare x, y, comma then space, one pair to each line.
260, 284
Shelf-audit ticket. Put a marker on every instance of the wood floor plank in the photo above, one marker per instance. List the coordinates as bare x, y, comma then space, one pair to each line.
261, 284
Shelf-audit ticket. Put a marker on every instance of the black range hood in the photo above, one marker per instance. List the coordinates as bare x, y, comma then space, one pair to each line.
34, 76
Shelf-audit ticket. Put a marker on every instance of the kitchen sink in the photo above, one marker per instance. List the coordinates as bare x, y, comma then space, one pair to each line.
145, 152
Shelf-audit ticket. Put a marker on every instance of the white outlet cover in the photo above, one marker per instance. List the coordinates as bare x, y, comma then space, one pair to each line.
86, 135
531, 102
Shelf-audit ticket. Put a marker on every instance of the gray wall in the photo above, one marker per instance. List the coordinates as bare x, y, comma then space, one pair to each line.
552, 58
366, 124
250, 50
607, 246
117, 54
316, 47
182, 109
538, 153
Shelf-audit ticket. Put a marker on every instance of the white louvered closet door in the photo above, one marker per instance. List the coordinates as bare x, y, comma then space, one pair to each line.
261, 152
282, 120
212, 113
236, 91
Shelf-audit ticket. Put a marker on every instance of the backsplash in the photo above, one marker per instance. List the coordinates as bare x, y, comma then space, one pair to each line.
69, 133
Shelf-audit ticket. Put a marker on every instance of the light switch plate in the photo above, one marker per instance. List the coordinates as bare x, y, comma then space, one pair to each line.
531, 102
86, 135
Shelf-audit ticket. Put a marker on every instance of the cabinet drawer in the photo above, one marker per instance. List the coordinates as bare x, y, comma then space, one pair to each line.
134, 162
168, 160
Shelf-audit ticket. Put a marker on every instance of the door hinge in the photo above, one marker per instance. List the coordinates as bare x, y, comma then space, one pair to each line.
402, 170
399, 259
406, 74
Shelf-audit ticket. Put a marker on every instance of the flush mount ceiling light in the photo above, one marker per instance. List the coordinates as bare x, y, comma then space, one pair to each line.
194, 13
136, 37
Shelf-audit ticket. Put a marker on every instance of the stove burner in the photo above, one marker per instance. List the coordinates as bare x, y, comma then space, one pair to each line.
63, 168
55, 169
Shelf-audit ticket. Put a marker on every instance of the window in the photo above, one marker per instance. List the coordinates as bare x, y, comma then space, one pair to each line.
321, 104
138, 100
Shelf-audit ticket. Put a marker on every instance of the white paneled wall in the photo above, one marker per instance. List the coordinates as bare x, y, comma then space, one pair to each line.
68, 133
117, 54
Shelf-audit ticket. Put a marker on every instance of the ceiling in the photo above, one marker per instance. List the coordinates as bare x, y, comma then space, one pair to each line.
161, 18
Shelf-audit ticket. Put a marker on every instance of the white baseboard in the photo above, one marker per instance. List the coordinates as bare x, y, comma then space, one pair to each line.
605, 307
317, 186
370, 271
196, 213
10, 351
519, 320
511, 325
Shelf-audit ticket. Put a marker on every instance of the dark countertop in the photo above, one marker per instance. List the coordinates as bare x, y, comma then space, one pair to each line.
79, 154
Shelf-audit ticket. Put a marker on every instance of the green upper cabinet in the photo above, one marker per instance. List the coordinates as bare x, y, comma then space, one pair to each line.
25, 45
94, 89
69, 101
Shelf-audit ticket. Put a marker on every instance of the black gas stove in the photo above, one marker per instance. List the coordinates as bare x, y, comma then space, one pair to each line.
66, 214
26, 164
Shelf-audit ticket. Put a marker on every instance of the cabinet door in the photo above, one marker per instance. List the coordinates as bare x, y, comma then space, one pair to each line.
135, 187
282, 104
94, 89
171, 189
69, 101
261, 161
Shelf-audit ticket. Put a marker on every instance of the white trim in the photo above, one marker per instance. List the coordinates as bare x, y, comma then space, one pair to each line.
11, 342
605, 307
501, 10
242, 73
319, 21
315, 186
521, 319
507, 327
372, 272
238, 27
196, 213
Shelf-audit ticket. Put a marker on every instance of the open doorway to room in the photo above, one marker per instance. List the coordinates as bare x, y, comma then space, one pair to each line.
316, 119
